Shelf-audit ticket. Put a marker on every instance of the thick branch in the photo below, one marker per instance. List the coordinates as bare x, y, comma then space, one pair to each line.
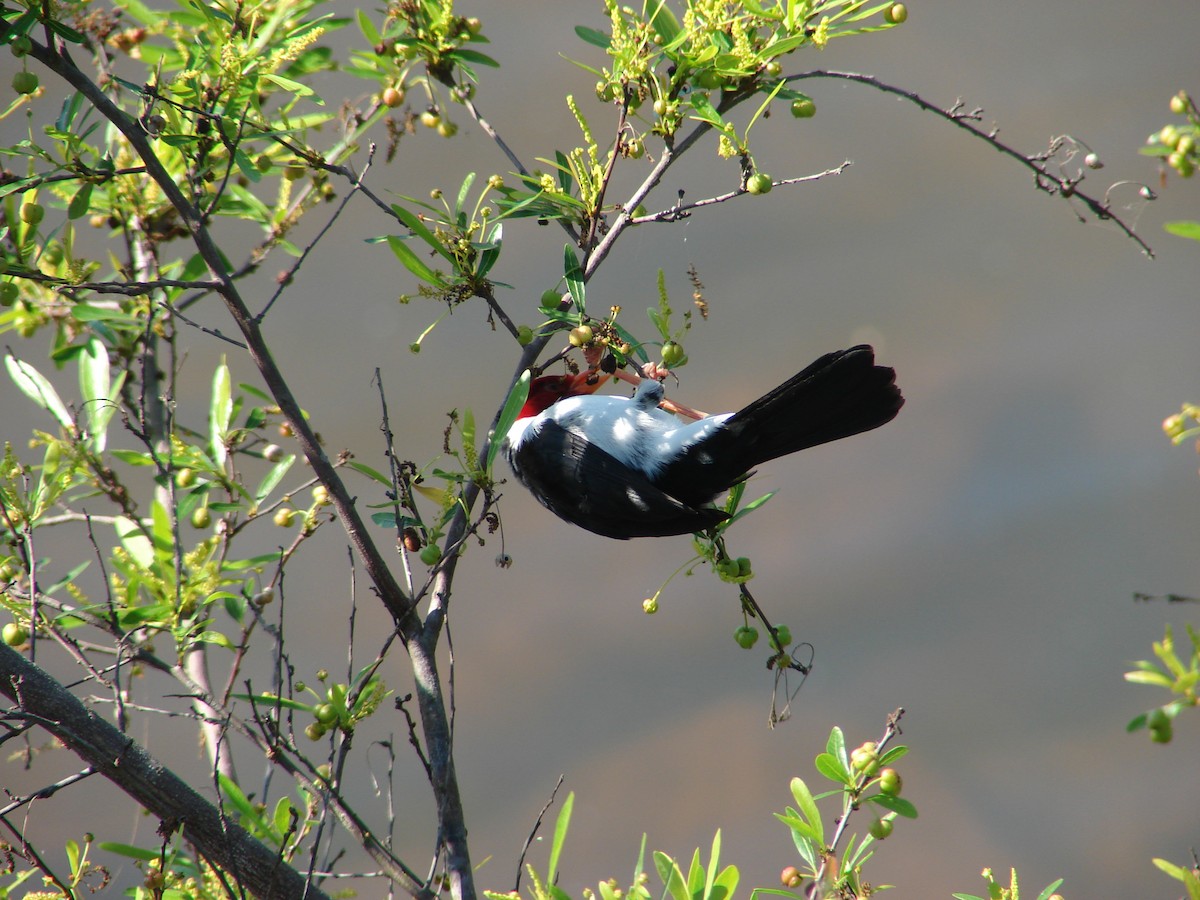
114, 755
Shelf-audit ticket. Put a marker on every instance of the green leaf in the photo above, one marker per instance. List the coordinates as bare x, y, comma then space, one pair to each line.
593, 37
271, 481
508, 415
491, 253
297, 88
801, 829
371, 473
710, 875
215, 637
35, 386
135, 542
367, 27
671, 877
128, 850
898, 805
1183, 229
560, 836
414, 263
237, 797
808, 808
220, 408
1050, 889
473, 56
98, 392
414, 224
574, 277
80, 202
1156, 679
831, 767
273, 700
282, 816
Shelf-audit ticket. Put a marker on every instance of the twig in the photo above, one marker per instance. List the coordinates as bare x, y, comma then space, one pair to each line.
533, 832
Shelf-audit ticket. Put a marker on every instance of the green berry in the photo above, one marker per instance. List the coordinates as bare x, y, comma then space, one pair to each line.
743, 564
890, 782
21, 45
580, 336
430, 554
672, 354
32, 213
709, 80
447, 129
524, 335
284, 517
325, 713
746, 636
782, 637
881, 828
24, 82
865, 758
314, 731
650, 606
15, 634
896, 13
9, 293
201, 517
1179, 103
550, 299
804, 108
759, 183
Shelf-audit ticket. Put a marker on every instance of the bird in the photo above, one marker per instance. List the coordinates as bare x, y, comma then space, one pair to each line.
622, 467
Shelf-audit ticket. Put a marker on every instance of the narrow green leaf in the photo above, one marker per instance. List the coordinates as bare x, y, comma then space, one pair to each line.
215, 637
128, 850
80, 202
1183, 229
710, 876
593, 37
574, 277
135, 542
671, 877
473, 56
273, 700
300, 90
898, 805
488, 257
464, 191
368, 29
1049, 890
508, 415
35, 386
560, 836
237, 797
808, 808
220, 408
831, 767
371, 473
282, 817
271, 481
414, 224
414, 263
1156, 679
801, 829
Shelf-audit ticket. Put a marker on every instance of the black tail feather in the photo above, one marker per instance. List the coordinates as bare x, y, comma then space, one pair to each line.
841, 394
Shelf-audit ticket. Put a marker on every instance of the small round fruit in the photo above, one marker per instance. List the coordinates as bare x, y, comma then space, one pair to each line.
635, 148
774, 68
890, 782
325, 713
804, 108
896, 13
15, 634
24, 82
746, 636
864, 757
284, 517
314, 731
273, 453
728, 568
9, 293
650, 606
759, 183
201, 517
709, 80
782, 636
672, 354
1179, 103
580, 336
430, 118
320, 495
1186, 144
550, 299
32, 213
660, 107
743, 564
430, 554
185, 477
790, 877
265, 597
447, 129
524, 335
21, 45
881, 828
392, 97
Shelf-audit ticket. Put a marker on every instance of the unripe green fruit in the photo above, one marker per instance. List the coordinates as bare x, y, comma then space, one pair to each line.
782, 637
447, 129
24, 82
746, 636
430, 118
759, 183
201, 517
430, 554
804, 108
320, 495
185, 477
635, 148
1179, 103
9, 293
314, 731
32, 213
284, 517
896, 13
550, 299
15, 634
709, 80
743, 564
650, 606
865, 758
672, 354
881, 828
890, 782
21, 45
774, 68
728, 568
325, 713
580, 336
524, 335
52, 254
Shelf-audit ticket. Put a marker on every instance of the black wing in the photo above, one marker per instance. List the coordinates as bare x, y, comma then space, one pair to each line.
589, 487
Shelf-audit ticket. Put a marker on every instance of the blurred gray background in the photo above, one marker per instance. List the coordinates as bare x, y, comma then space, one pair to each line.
973, 561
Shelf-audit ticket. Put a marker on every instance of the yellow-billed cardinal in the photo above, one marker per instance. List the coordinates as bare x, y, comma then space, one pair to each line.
621, 467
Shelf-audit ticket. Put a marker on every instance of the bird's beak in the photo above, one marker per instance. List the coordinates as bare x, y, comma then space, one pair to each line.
587, 382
